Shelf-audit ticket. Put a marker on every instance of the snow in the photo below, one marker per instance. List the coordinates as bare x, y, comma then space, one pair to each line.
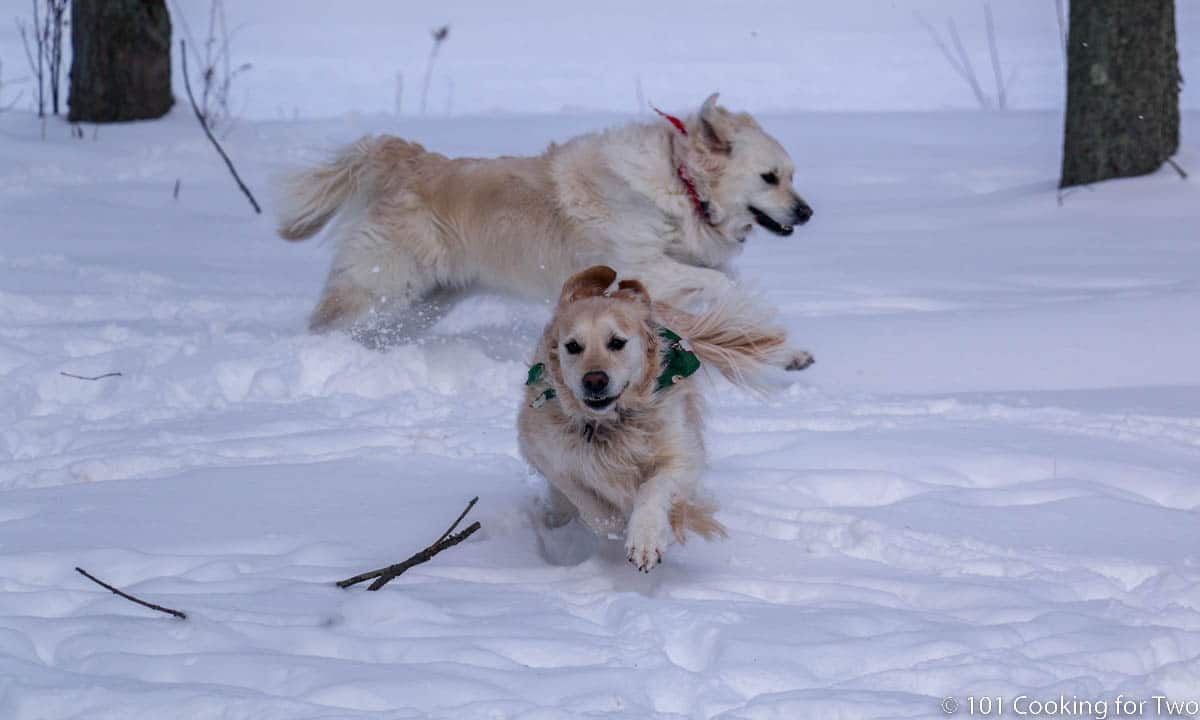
986, 486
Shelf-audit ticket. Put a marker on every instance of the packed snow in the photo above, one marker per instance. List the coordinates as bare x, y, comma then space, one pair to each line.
987, 486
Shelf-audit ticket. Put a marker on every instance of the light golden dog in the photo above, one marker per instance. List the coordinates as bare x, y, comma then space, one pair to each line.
668, 202
612, 419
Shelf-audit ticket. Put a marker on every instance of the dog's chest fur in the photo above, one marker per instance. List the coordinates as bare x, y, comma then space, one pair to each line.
613, 459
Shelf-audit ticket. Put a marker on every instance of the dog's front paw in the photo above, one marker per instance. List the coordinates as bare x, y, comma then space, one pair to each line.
799, 360
646, 539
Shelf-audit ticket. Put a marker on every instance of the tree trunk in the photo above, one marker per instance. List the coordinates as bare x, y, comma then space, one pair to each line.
121, 60
1122, 89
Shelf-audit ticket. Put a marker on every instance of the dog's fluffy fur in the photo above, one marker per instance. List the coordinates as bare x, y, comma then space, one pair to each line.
415, 225
628, 457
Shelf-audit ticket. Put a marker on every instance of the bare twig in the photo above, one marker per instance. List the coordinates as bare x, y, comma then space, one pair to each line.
1182, 173
216, 72
385, 575
956, 55
204, 125
390, 573
439, 36
35, 56
965, 61
86, 377
127, 596
53, 45
994, 52
461, 515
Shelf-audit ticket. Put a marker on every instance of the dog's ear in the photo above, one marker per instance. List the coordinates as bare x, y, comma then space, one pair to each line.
587, 283
715, 127
634, 291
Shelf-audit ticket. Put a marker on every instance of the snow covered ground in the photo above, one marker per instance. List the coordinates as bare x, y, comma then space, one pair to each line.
988, 485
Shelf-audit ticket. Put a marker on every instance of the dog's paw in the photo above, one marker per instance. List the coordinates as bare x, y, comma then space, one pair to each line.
799, 360
646, 540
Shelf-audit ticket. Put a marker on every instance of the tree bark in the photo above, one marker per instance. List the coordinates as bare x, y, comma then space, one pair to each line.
1122, 89
121, 60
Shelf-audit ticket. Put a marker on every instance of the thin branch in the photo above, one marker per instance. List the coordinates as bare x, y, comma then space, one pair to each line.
447, 540
462, 515
1001, 98
941, 45
127, 596
965, 59
204, 125
86, 377
392, 572
1182, 173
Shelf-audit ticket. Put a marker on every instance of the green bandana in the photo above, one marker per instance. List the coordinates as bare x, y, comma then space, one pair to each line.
680, 363
535, 376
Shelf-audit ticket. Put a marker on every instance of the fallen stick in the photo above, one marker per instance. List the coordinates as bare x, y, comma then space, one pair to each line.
64, 373
448, 539
461, 515
204, 125
127, 596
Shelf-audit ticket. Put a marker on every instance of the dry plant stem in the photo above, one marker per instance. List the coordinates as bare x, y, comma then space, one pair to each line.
461, 515
35, 65
127, 596
994, 52
390, 573
438, 545
387, 574
64, 373
204, 125
1182, 173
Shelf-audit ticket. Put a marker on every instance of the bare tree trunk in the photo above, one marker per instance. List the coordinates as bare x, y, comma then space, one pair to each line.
1122, 89
121, 60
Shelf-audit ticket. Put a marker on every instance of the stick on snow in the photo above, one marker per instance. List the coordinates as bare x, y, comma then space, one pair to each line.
447, 540
127, 596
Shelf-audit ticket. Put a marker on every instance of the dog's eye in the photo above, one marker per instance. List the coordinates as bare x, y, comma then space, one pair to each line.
573, 347
770, 178
616, 344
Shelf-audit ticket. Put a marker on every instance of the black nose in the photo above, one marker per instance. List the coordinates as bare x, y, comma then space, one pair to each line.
801, 212
595, 382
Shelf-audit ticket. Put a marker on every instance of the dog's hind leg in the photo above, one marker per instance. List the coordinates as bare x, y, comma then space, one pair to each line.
373, 282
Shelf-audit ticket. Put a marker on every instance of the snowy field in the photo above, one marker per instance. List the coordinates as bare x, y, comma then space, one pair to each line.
988, 485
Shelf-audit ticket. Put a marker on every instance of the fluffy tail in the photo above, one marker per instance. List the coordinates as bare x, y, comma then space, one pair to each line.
697, 516
312, 197
731, 336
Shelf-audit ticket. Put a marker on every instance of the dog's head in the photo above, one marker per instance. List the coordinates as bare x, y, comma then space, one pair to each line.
601, 346
748, 173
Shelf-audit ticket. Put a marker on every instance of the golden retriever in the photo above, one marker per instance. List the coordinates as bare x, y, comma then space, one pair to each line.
612, 418
668, 202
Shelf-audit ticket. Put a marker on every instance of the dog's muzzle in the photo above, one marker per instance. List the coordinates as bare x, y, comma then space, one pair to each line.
800, 214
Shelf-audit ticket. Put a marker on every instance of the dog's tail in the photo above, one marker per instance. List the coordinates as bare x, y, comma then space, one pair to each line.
313, 196
697, 516
731, 336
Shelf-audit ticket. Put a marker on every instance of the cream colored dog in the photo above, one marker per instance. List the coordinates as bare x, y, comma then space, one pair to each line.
612, 419
668, 202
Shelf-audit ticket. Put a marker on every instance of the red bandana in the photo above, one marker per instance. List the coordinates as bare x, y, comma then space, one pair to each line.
682, 172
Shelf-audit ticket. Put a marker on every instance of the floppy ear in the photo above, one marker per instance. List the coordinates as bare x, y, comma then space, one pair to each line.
587, 283
715, 128
634, 291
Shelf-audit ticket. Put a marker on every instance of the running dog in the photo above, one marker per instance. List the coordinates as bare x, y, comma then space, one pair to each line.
668, 202
612, 418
